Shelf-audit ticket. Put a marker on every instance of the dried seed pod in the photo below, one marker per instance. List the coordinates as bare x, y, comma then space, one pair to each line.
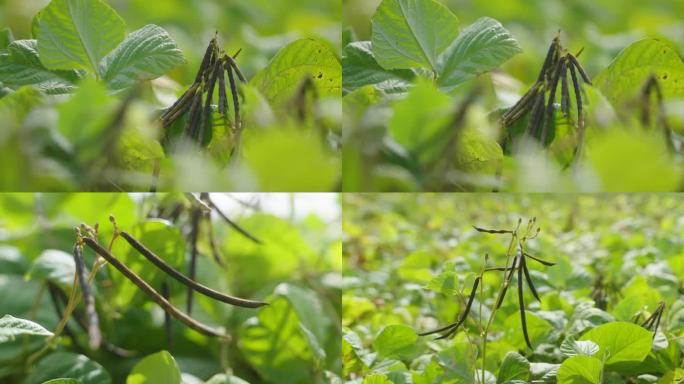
454, 326
94, 335
579, 68
206, 115
236, 101
234, 65
521, 106
180, 104
207, 61
565, 93
194, 114
560, 67
535, 114
551, 58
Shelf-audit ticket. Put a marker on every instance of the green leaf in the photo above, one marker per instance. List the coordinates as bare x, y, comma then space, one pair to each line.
277, 342
628, 72
445, 283
55, 266
293, 63
77, 34
21, 66
513, 367
160, 368
396, 341
620, 342
6, 38
68, 365
580, 369
572, 347
10, 327
160, 237
480, 47
62, 381
359, 68
144, 55
412, 33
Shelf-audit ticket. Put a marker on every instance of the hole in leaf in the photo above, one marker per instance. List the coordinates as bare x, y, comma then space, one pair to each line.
320, 75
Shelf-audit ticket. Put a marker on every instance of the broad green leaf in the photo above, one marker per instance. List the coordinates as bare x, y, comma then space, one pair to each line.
62, 381
580, 369
275, 343
513, 367
359, 68
303, 58
21, 66
411, 33
304, 163
160, 237
159, 368
418, 120
11, 327
6, 38
145, 54
628, 72
55, 266
620, 342
77, 34
480, 47
68, 365
416, 267
396, 341
572, 347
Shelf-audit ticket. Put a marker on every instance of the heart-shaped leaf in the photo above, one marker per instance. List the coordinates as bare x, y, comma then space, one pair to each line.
580, 369
412, 33
77, 34
160, 367
145, 54
301, 58
623, 78
621, 342
480, 47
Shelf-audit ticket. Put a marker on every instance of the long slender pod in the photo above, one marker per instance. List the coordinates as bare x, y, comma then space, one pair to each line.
161, 264
94, 335
195, 216
560, 67
154, 295
168, 327
233, 224
453, 326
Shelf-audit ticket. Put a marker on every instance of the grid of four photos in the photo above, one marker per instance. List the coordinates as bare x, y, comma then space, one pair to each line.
343, 192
